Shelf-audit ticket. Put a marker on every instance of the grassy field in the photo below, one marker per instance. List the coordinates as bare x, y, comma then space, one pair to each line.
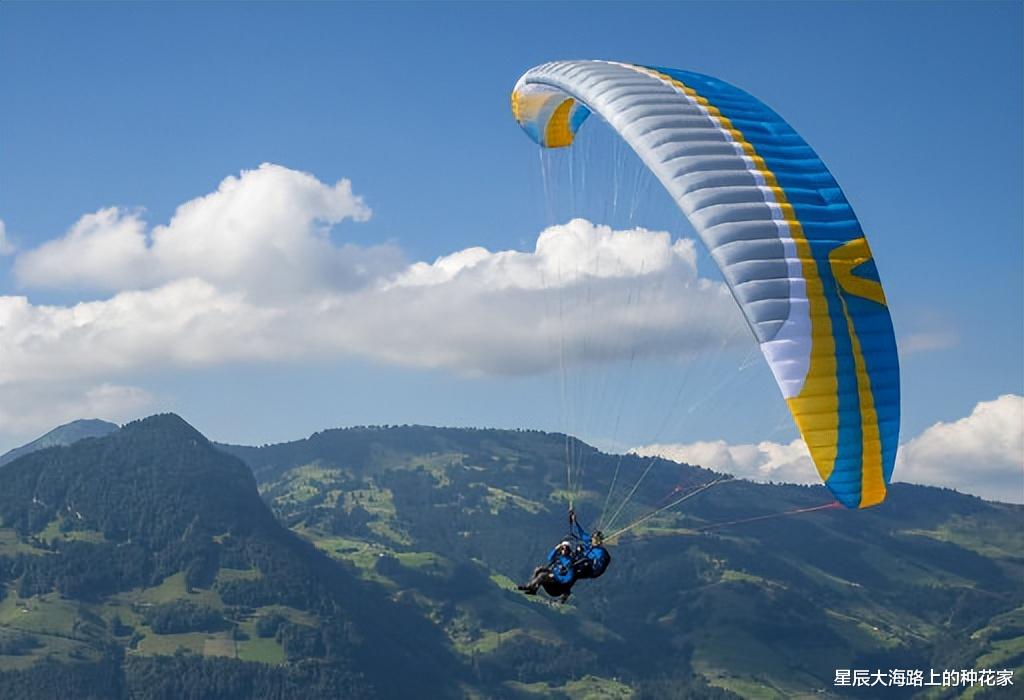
220, 646
979, 536
47, 614
225, 574
470, 642
55, 648
437, 464
258, 649
746, 687
426, 562
732, 575
1001, 652
379, 503
586, 688
503, 581
303, 483
363, 555
262, 650
11, 544
499, 500
52, 532
62, 632
170, 589
166, 644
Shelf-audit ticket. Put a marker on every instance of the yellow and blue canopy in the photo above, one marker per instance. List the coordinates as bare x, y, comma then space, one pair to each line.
782, 232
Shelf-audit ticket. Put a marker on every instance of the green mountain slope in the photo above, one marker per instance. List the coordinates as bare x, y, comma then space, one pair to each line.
380, 562
119, 552
769, 608
66, 434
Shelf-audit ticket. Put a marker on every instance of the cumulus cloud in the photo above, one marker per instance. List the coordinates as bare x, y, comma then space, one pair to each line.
105, 249
764, 461
564, 255
6, 247
183, 323
266, 231
253, 271
982, 454
592, 293
472, 312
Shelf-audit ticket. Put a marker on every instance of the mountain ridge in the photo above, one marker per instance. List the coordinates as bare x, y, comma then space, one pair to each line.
62, 435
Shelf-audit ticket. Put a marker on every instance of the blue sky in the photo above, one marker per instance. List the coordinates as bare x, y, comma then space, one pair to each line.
916, 108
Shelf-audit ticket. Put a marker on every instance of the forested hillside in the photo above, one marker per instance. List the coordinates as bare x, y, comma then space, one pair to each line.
381, 562
119, 552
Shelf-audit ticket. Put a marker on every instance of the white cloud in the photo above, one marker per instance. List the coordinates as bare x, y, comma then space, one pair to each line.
564, 256
266, 231
182, 323
982, 454
764, 461
6, 247
106, 250
586, 293
250, 272
473, 312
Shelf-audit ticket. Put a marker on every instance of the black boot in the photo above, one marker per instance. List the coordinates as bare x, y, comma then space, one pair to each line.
530, 587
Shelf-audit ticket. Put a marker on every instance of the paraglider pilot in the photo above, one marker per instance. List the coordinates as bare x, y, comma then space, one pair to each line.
568, 563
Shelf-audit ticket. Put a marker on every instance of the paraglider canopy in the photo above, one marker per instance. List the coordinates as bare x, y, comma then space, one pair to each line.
781, 231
